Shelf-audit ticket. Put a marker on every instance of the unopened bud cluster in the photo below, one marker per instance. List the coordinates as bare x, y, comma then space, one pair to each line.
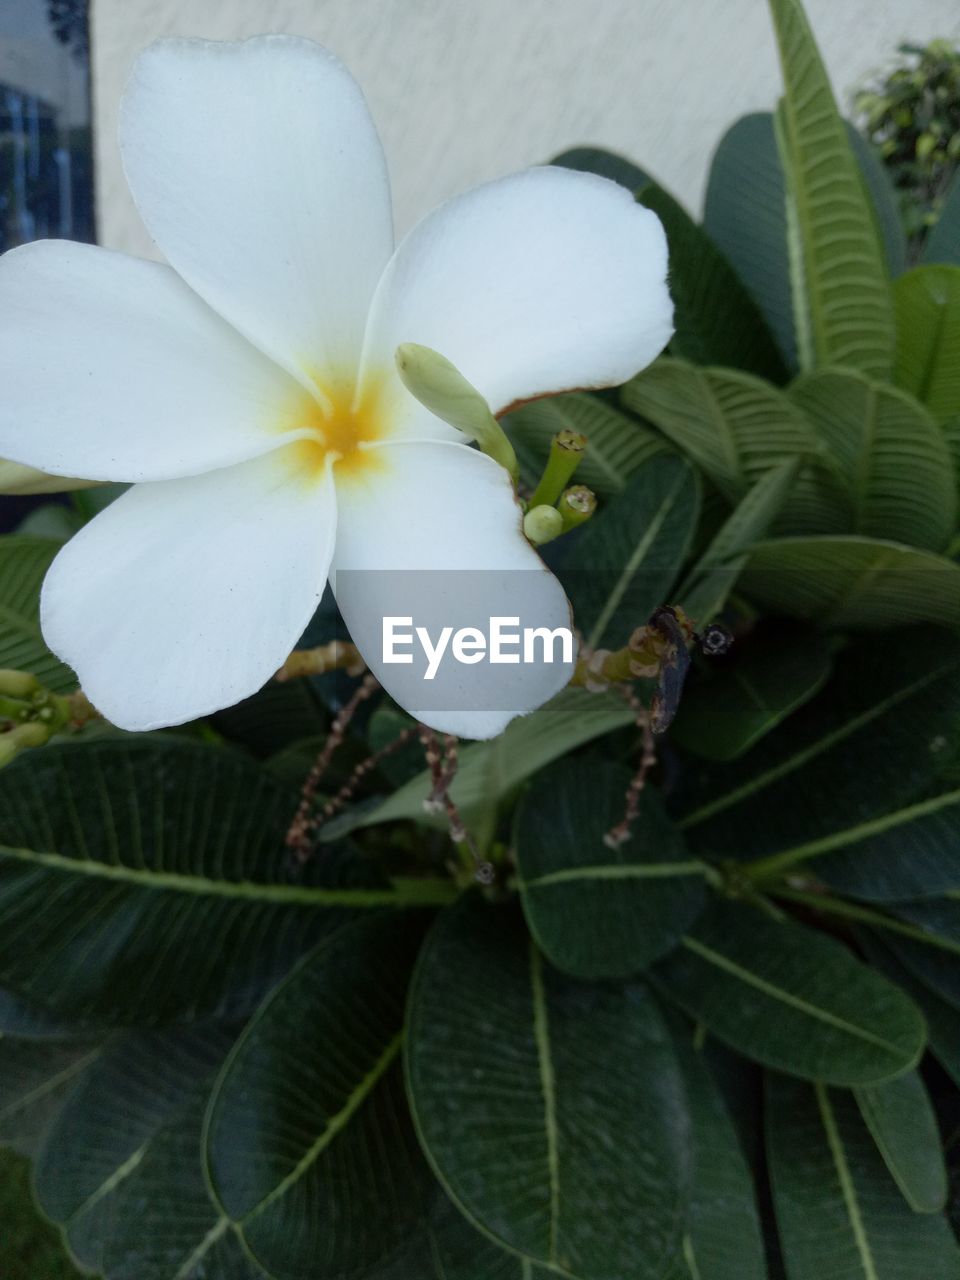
29, 713
553, 508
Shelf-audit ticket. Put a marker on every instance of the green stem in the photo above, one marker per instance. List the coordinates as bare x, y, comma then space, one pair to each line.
863, 915
413, 892
774, 866
566, 451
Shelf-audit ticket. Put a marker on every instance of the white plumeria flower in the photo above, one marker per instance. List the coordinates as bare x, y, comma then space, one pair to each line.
248, 389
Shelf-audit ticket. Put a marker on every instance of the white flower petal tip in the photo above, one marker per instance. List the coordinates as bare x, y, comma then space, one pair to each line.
113, 369
537, 283
257, 169
185, 596
434, 536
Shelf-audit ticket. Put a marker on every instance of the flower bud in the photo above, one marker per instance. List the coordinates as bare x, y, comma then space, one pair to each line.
542, 524
31, 734
18, 684
577, 505
442, 388
566, 452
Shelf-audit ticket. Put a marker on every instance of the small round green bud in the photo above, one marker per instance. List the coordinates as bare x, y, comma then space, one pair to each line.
28, 735
18, 684
542, 524
576, 505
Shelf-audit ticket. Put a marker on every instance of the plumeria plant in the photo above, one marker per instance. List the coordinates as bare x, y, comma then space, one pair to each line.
642, 963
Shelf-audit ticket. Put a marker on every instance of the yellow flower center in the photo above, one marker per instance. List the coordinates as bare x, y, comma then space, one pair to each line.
341, 424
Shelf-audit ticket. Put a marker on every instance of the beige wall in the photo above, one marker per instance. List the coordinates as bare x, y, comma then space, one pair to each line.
466, 90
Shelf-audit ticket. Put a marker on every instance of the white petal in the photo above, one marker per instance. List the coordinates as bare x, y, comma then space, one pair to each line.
258, 171
112, 369
537, 283
432, 532
186, 595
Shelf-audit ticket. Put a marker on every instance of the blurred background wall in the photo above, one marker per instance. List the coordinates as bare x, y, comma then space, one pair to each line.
466, 90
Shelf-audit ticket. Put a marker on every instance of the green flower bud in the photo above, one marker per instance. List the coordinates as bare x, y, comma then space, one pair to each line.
566, 452
31, 734
442, 388
18, 684
542, 524
576, 505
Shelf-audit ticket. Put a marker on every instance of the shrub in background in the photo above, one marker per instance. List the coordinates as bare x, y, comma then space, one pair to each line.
912, 117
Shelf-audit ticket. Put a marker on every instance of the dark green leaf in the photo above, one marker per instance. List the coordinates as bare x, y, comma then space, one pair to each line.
628, 556
18, 1017
933, 956
904, 1127
943, 1019
605, 163
145, 880
909, 852
617, 444
844, 309
746, 193
866, 747
524, 1087
740, 698
838, 1210
791, 999
120, 1169
35, 1076
714, 576
943, 242
883, 199
309, 1148
24, 562
598, 912
278, 715
853, 583
894, 457
737, 428
928, 338
746, 189
716, 320
723, 1241
53, 520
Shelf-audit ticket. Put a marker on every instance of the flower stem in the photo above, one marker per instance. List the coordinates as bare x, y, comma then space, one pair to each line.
337, 655
774, 866
566, 453
863, 915
434, 892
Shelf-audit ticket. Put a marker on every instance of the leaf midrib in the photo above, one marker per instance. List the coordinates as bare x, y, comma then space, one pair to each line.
548, 1085
336, 1124
617, 871
938, 330
636, 558
204, 886
787, 997
839, 1157
48, 1085
784, 858
794, 762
